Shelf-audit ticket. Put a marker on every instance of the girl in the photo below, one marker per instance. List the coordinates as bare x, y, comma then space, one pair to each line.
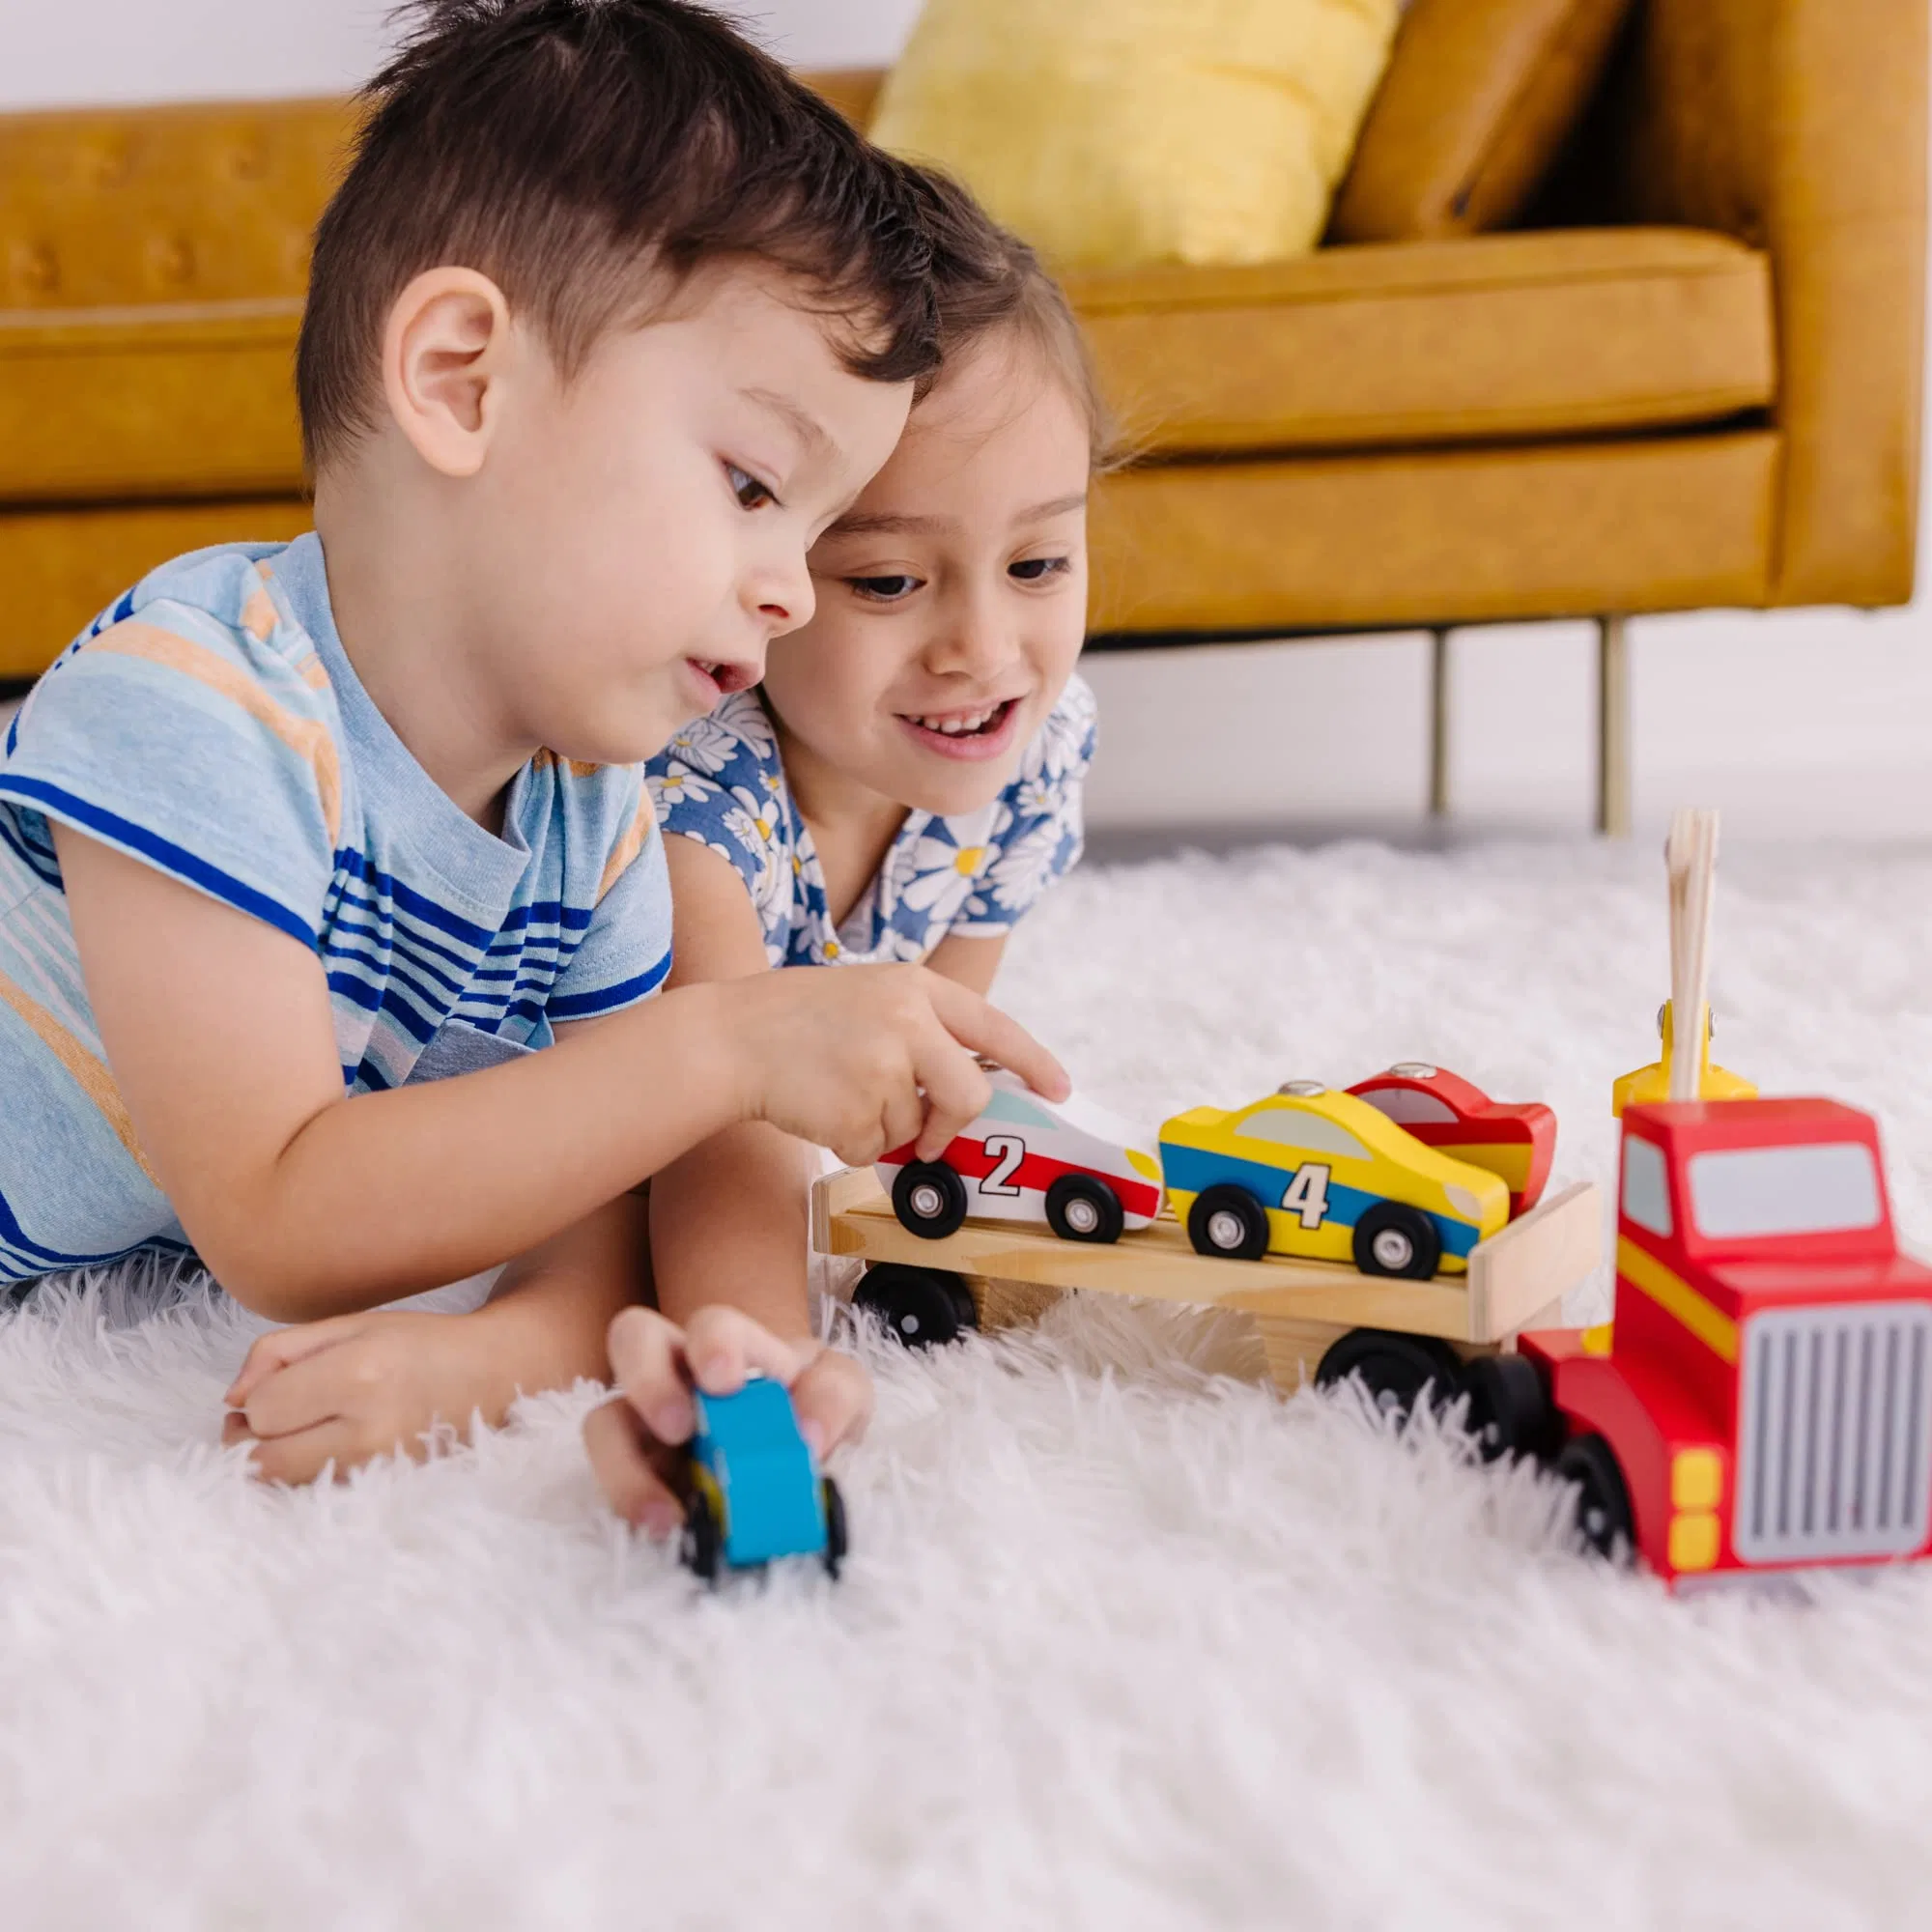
902, 786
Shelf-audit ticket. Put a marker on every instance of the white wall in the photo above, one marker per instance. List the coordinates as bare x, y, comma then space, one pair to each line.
62, 52
1795, 722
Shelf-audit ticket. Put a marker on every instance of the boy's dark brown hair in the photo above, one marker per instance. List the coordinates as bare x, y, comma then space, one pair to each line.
569, 149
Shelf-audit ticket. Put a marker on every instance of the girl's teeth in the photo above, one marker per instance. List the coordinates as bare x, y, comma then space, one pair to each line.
954, 727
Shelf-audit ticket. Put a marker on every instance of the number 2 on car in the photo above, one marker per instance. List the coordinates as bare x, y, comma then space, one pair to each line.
1307, 1194
1005, 1151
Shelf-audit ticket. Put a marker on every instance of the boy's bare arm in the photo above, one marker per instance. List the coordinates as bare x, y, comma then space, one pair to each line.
305, 1202
354, 1386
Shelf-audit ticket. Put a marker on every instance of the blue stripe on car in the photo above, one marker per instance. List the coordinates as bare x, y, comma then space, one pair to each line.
1193, 1170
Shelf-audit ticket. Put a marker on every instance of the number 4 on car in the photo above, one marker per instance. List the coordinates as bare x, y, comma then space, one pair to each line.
1065, 1163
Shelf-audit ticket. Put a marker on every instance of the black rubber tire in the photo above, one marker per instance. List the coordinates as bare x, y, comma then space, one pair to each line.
922, 1179
923, 1308
1204, 1221
1394, 1368
1410, 1243
1510, 1411
1604, 1518
835, 1544
703, 1539
1075, 1197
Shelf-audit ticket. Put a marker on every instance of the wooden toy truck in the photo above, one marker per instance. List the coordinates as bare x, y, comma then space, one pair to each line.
1763, 1399
1316, 1318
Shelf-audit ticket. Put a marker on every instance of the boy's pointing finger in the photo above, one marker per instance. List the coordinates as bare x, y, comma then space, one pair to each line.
996, 1036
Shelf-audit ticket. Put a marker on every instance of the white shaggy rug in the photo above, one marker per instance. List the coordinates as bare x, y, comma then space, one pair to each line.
1124, 1642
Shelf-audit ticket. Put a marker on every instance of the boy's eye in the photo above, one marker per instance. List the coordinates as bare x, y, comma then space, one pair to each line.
885, 590
1032, 569
750, 494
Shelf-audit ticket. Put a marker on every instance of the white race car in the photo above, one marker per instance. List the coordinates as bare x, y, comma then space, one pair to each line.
1068, 1163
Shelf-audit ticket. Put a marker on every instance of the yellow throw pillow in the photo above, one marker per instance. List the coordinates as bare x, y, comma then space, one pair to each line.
1115, 132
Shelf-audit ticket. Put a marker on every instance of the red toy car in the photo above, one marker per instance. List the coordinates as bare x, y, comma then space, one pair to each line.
1763, 1399
1442, 1109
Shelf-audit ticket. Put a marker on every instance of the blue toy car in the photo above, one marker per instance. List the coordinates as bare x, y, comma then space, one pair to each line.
755, 1490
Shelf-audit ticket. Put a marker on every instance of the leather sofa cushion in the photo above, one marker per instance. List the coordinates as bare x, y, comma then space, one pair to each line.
1475, 105
1493, 338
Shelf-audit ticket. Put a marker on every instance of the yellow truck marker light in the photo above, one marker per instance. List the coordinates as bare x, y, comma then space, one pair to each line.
1697, 1479
1694, 1541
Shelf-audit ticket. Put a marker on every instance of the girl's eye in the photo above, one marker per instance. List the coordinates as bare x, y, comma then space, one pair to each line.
752, 495
1032, 569
884, 589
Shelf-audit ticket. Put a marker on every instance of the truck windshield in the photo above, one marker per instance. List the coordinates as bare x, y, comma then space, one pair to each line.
1784, 1190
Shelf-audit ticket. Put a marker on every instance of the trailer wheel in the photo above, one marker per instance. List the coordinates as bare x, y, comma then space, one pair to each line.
1604, 1517
1394, 1369
1081, 1209
925, 1308
929, 1199
1510, 1411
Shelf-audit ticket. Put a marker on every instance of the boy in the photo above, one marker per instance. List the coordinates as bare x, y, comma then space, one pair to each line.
608, 320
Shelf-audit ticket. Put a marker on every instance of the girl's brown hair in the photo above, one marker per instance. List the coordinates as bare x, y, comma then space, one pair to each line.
985, 279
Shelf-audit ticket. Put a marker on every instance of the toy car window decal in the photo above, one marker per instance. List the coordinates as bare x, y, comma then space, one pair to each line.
1302, 1129
1406, 1105
1006, 1105
1307, 1194
1830, 1189
1005, 1151
1646, 1186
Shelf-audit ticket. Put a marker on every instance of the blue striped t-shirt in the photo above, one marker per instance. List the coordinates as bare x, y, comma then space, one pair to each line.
210, 724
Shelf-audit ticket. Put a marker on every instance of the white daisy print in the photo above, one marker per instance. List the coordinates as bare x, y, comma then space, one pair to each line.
677, 784
704, 745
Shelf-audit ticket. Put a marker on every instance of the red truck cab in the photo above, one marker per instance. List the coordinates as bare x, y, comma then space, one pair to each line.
1763, 1398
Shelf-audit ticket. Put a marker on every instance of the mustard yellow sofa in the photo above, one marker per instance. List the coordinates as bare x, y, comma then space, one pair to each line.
1703, 389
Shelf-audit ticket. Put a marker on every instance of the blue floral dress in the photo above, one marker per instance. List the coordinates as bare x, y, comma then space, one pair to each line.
722, 780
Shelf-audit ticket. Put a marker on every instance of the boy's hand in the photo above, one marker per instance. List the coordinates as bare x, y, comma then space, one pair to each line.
350, 1388
634, 1440
864, 1058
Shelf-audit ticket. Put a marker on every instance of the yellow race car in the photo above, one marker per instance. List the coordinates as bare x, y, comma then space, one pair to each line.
1319, 1174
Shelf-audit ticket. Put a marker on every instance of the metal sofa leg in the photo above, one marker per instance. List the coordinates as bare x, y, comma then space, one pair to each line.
1613, 729
1438, 723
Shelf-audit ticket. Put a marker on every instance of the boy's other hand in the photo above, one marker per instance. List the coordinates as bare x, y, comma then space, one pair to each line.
634, 1440
349, 1389
862, 1058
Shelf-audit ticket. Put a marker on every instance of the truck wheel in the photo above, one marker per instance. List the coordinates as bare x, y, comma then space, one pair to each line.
929, 1199
1081, 1209
1391, 1239
835, 1526
1228, 1221
703, 1538
1394, 1369
1603, 1501
1510, 1412
923, 1308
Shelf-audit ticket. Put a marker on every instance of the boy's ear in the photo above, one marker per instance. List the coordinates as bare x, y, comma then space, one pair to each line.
445, 353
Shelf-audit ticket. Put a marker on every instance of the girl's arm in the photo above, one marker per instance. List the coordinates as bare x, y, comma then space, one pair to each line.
730, 1219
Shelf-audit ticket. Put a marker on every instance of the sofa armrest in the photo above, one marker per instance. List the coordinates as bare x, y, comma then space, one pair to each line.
1800, 126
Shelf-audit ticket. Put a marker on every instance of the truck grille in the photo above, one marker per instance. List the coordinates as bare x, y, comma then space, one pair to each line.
1836, 1432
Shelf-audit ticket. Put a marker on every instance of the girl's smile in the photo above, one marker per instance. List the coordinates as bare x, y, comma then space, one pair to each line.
974, 734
